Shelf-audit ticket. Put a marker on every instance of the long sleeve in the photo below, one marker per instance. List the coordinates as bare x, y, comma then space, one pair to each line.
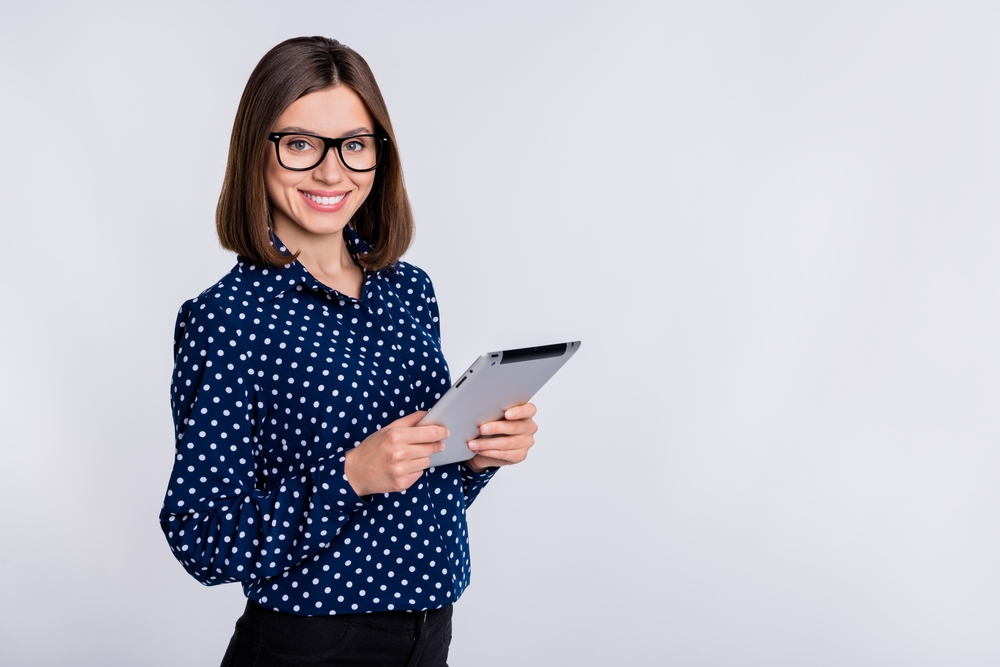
474, 482
228, 514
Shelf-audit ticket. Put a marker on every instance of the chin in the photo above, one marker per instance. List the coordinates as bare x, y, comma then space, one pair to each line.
324, 229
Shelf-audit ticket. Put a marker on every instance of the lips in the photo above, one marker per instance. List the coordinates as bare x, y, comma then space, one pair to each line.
327, 202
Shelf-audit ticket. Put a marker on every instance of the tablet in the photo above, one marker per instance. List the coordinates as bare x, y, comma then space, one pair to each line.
495, 382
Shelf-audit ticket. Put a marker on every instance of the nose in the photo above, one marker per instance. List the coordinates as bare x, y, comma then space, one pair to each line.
330, 170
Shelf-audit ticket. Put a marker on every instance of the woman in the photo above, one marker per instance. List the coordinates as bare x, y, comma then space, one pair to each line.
300, 380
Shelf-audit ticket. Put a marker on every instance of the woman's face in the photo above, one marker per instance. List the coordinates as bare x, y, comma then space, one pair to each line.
297, 196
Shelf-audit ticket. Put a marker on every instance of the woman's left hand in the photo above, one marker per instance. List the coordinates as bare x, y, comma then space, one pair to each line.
510, 440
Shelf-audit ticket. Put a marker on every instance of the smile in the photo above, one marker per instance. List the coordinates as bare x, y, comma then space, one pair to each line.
325, 201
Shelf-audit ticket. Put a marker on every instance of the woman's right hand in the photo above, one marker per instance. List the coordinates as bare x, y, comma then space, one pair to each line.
394, 457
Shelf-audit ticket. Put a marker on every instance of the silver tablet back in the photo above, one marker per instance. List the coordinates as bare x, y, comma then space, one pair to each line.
495, 382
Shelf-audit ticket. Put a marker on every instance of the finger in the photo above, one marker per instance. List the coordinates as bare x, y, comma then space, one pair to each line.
504, 457
417, 466
402, 476
411, 419
408, 480
428, 433
413, 452
407, 435
421, 463
524, 411
508, 427
504, 443
480, 462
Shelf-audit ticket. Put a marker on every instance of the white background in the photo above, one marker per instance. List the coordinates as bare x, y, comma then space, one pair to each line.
773, 225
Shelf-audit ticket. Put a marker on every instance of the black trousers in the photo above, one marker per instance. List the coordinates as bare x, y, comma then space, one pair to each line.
266, 638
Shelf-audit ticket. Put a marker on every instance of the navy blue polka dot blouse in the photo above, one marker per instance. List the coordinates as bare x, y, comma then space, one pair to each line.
276, 377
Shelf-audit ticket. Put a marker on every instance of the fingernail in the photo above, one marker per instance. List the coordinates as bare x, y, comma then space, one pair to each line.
485, 430
447, 434
508, 415
474, 445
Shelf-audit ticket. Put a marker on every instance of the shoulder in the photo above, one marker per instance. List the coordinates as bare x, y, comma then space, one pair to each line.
413, 284
415, 290
230, 299
411, 279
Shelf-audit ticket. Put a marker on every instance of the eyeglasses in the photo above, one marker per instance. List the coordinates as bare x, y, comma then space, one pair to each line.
302, 152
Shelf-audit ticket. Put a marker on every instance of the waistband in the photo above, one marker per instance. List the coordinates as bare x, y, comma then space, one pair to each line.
398, 619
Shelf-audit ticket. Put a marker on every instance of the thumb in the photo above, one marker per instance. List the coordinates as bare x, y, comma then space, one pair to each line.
411, 419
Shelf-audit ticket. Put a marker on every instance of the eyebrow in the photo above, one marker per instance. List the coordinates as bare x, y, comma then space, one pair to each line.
349, 133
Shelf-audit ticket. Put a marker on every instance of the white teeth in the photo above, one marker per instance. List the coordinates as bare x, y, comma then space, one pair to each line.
326, 201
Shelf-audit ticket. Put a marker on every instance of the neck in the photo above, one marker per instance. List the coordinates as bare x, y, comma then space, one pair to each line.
325, 256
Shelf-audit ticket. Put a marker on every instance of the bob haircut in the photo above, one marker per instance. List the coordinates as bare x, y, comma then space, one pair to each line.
291, 70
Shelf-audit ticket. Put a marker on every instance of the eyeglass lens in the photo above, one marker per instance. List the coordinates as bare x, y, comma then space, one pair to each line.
300, 151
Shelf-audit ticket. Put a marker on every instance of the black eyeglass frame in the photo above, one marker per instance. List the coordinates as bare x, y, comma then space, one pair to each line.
329, 143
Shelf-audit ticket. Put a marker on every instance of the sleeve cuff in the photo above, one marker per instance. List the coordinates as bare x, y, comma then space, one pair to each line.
334, 487
474, 481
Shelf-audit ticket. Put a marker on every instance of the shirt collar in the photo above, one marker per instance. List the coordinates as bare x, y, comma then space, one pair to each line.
270, 282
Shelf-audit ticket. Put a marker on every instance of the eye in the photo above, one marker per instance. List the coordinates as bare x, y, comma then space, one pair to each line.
299, 144
356, 144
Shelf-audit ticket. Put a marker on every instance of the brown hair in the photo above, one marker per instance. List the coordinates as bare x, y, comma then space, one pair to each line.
292, 69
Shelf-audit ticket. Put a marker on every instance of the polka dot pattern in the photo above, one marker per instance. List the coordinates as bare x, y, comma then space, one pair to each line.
276, 377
